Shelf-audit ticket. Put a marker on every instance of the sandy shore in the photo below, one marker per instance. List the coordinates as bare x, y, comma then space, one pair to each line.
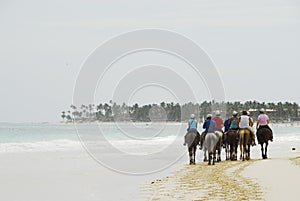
271, 179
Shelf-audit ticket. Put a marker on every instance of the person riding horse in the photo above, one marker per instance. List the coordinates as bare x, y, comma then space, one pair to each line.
192, 126
219, 121
231, 142
192, 138
263, 121
209, 126
233, 121
245, 122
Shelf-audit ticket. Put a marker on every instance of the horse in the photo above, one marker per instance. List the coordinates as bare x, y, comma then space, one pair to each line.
231, 144
244, 142
263, 137
192, 139
211, 140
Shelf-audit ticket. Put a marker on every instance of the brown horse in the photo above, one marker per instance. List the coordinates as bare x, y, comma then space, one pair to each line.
192, 139
263, 137
231, 144
244, 142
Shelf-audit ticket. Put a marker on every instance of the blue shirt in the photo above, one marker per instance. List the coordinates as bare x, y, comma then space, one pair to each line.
193, 123
226, 125
209, 126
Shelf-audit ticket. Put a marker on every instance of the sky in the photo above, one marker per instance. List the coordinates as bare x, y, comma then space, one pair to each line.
254, 45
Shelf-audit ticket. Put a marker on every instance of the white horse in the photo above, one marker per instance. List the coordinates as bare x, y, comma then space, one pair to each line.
210, 145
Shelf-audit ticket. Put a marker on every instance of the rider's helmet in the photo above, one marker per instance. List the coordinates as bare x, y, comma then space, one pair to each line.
262, 110
234, 113
208, 116
218, 113
244, 112
193, 116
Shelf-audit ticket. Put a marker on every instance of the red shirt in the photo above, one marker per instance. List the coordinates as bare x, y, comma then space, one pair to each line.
219, 122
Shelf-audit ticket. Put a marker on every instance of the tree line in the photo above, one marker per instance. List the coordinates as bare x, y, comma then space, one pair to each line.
174, 112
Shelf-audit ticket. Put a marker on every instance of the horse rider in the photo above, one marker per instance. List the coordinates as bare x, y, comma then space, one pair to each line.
192, 126
219, 121
233, 121
263, 121
245, 122
210, 127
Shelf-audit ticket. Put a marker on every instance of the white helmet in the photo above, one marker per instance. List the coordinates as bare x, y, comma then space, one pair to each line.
218, 113
262, 110
234, 113
192, 116
208, 116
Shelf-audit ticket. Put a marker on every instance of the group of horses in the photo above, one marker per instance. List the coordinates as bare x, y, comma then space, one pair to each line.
214, 142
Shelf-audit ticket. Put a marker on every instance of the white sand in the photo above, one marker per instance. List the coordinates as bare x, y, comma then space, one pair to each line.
279, 178
75, 176
63, 176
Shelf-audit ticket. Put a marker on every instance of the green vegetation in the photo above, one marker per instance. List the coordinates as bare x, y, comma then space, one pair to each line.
278, 112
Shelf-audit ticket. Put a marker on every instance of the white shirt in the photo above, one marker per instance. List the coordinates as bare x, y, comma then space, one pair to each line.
244, 122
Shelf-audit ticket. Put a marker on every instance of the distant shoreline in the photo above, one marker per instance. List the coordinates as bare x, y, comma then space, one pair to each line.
283, 124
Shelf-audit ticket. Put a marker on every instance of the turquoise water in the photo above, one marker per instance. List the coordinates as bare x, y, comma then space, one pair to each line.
34, 132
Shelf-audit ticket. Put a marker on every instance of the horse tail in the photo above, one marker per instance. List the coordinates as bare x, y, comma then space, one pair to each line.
212, 145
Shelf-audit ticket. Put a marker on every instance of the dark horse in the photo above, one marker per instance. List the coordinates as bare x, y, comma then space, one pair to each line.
192, 139
231, 144
263, 137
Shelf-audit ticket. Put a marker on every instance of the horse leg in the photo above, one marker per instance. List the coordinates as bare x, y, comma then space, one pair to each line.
191, 155
266, 149
205, 155
262, 150
233, 149
232, 155
209, 158
241, 150
248, 152
236, 151
219, 152
227, 152
194, 160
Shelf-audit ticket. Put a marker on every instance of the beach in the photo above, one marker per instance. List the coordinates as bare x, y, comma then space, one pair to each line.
75, 176
272, 179
49, 162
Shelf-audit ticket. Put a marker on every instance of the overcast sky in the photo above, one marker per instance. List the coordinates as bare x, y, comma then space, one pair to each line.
254, 44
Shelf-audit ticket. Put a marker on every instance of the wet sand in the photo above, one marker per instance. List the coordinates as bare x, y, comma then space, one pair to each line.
271, 179
223, 181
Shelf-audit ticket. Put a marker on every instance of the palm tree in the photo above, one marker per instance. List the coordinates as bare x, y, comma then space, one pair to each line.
63, 115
